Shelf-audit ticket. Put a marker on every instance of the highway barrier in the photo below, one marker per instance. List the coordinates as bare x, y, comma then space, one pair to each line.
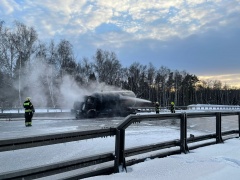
118, 157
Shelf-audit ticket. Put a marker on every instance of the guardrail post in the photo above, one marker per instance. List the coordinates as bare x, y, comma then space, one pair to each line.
117, 153
239, 124
183, 134
120, 162
219, 128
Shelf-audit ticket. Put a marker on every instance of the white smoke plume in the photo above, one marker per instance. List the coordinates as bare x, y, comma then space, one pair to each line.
69, 90
30, 84
72, 92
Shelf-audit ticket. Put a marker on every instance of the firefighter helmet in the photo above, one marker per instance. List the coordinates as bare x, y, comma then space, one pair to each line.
28, 98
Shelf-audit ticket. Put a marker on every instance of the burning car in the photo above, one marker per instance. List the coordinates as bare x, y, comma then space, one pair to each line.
109, 103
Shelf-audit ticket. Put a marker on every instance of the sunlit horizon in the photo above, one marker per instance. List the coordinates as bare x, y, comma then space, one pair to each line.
231, 80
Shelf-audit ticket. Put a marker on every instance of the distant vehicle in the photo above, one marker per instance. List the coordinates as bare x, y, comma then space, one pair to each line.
109, 103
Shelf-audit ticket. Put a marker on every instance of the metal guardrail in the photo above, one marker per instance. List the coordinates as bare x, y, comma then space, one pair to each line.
120, 154
55, 138
10, 116
49, 139
54, 112
190, 107
213, 107
43, 110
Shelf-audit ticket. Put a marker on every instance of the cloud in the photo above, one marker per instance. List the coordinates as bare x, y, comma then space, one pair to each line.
208, 53
8, 6
194, 35
67, 8
142, 19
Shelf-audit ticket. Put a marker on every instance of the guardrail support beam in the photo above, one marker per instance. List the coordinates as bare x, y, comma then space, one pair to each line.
219, 128
183, 134
120, 162
239, 124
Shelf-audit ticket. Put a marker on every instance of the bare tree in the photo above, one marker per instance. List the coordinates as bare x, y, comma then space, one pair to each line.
170, 86
189, 88
46, 57
151, 87
85, 69
107, 67
177, 86
161, 78
66, 58
137, 75
23, 39
8, 54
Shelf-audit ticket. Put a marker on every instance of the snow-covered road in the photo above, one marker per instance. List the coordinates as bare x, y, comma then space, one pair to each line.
144, 133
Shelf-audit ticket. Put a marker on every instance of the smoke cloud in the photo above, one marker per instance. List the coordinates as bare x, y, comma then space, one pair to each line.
72, 92
31, 85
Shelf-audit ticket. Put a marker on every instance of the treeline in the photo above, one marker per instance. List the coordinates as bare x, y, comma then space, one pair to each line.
28, 65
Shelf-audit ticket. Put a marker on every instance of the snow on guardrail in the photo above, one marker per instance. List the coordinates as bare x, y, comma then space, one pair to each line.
211, 107
37, 110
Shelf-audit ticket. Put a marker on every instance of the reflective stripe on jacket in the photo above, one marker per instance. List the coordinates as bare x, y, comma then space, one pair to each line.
28, 106
28, 110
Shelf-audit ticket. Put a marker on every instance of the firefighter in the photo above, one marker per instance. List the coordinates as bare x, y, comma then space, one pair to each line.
29, 110
157, 107
172, 107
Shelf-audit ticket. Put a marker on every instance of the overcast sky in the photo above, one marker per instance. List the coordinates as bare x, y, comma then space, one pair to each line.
199, 36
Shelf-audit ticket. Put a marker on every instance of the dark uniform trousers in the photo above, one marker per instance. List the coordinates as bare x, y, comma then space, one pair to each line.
172, 109
157, 109
28, 118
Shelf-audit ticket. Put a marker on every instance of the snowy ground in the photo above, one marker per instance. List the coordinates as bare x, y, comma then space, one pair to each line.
219, 161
